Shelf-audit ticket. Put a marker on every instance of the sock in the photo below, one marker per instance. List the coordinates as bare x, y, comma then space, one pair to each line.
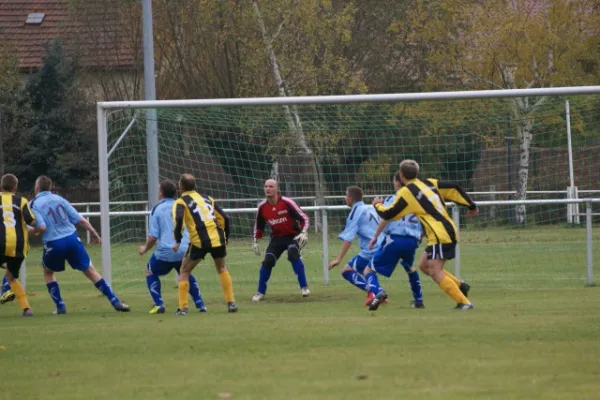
355, 279
19, 292
183, 288
373, 283
5, 285
153, 283
298, 267
263, 278
227, 286
54, 291
455, 279
415, 286
195, 292
452, 290
103, 287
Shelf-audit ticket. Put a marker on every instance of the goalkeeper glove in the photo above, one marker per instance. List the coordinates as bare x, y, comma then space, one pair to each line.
302, 239
255, 248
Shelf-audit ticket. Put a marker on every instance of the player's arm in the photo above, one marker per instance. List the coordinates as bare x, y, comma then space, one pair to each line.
347, 236
178, 215
454, 192
396, 210
223, 220
259, 229
87, 226
77, 219
380, 228
153, 234
29, 218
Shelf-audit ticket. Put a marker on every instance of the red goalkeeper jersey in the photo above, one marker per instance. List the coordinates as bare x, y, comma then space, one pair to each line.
285, 217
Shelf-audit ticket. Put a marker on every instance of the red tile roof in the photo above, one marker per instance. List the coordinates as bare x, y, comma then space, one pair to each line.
93, 30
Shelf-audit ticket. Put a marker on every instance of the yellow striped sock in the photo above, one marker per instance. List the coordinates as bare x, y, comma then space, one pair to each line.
183, 289
20, 294
227, 286
452, 290
455, 279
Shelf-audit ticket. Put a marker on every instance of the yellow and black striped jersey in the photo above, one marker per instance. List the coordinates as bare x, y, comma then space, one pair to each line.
206, 222
16, 215
425, 199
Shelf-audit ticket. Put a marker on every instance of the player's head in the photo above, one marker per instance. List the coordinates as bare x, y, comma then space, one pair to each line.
397, 181
354, 194
167, 190
187, 182
9, 183
271, 188
43, 184
409, 169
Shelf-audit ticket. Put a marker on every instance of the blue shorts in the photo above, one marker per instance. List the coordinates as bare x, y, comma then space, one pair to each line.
160, 267
358, 263
69, 249
393, 250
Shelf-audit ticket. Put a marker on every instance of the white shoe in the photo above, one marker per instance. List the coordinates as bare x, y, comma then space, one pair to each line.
305, 292
258, 297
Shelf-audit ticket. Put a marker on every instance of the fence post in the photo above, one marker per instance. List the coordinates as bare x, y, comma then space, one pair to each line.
23, 274
493, 198
325, 246
456, 218
87, 233
147, 220
588, 229
317, 215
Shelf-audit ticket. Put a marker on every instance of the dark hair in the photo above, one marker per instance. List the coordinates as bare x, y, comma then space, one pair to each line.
9, 182
397, 176
409, 168
355, 193
187, 182
44, 183
168, 189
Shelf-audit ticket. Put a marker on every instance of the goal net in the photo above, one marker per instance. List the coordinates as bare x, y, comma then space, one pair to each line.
499, 147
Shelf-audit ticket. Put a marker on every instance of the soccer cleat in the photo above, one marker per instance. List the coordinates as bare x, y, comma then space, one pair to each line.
7, 296
369, 299
157, 310
258, 297
464, 306
464, 288
377, 301
182, 311
202, 309
60, 311
305, 292
27, 312
231, 307
414, 304
120, 306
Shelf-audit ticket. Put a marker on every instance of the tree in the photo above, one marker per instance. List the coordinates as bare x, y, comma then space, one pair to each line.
10, 87
509, 44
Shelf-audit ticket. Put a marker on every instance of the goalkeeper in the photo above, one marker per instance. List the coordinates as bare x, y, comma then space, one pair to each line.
289, 226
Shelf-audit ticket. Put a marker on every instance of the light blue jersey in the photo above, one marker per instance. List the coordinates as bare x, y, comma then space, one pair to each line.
408, 225
56, 214
362, 222
161, 227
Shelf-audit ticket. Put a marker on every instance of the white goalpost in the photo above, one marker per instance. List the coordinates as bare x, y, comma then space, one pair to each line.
232, 145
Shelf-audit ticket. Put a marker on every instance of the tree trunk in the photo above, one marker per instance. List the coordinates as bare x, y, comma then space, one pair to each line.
524, 134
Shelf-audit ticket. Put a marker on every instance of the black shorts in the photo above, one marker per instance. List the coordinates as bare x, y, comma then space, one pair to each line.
278, 245
196, 253
13, 264
441, 251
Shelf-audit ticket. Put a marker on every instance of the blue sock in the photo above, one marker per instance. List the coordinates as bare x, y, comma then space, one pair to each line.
415, 286
298, 267
103, 287
195, 292
154, 288
373, 283
54, 291
356, 279
263, 278
5, 285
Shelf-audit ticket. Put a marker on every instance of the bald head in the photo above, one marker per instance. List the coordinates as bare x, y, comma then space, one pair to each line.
271, 189
187, 182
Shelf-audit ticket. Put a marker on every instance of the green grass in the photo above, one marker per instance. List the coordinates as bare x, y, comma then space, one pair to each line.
533, 335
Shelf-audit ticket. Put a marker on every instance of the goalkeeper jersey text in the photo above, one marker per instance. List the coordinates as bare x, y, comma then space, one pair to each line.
286, 218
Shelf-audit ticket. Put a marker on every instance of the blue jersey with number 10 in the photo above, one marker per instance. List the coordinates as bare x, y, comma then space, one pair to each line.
408, 225
362, 222
56, 214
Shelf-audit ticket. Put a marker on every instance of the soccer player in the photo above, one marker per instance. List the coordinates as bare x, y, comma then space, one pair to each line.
425, 199
362, 222
402, 238
289, 227
14, 239
208, 228
56, 219
164, 260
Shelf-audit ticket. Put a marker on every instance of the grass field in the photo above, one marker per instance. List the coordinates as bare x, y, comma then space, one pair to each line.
533, 335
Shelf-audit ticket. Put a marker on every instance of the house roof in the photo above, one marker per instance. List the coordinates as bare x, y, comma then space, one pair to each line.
95, 31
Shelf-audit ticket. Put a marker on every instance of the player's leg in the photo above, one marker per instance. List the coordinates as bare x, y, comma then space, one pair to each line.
154, 269
103, 287
273, 251
195, 293
53, 260
352, 272
462, 285
432, 262
13, 266
54, 291
218, 254
6, 294
407, 261
192, 257
295, 259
